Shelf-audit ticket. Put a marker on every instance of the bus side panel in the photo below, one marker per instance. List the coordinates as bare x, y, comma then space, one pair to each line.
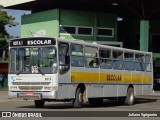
137, 81
97, 91
64, 78
102, 90
147, 89
110, 90
111, 79
66, 91
138, 89
122, 90
106, 91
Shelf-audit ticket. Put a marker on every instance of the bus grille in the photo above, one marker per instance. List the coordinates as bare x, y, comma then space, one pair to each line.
31, 83
30, 87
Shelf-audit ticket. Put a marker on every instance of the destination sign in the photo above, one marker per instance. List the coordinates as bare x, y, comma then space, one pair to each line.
32, 42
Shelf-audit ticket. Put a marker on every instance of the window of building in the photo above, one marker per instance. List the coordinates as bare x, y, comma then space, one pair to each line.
67, 29
105, 32
84, 31
76, 30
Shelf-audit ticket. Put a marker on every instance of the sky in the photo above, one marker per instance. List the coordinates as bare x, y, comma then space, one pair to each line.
16, 31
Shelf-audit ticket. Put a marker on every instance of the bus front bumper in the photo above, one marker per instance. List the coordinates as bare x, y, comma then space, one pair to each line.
33, 95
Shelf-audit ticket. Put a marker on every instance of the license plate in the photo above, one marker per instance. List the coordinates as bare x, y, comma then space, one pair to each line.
29, 93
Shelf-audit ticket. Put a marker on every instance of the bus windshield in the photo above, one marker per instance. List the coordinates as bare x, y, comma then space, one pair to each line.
41, 60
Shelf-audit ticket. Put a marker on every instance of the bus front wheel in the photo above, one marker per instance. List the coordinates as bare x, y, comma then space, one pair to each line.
130, 96
39, 103
77, 103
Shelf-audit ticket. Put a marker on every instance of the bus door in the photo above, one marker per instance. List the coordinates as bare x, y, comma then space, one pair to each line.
64, 70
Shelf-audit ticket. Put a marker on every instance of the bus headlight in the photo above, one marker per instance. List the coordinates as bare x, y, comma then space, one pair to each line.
47, 88
13, 88
54, 88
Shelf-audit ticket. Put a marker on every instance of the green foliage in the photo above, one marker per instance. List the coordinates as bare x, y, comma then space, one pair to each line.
5, 19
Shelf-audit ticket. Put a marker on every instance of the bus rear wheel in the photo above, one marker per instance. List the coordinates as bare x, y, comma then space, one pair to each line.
77, 103
39, 103
130, 96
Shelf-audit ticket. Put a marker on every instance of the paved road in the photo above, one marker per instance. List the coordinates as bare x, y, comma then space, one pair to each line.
142, 103
149, 103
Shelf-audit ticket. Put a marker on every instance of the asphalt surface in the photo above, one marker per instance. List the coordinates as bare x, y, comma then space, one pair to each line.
144, 103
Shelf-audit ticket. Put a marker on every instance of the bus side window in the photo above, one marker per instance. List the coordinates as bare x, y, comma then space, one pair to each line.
64, 60
105, 58
91, 57
118, 62
129, 60
77, 57
139, 62
147, 65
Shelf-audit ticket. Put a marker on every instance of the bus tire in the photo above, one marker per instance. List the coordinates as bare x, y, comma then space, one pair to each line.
39, 103
95, 101
77, 103
130, 96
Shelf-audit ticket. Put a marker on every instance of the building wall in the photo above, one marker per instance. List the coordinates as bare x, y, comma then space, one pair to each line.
107, 21
128, 33
43, 23
89, 19
154, 27
50, 21
76, 18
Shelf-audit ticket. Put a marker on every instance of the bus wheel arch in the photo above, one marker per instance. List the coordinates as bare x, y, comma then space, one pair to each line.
129, 100
79, 95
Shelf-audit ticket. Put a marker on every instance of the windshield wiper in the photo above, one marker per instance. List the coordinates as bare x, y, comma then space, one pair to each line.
41, 71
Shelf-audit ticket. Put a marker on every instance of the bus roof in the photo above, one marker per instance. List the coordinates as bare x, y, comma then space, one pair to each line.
82, 42
94, 44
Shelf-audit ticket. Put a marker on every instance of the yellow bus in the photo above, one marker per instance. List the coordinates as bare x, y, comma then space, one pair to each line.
50, 69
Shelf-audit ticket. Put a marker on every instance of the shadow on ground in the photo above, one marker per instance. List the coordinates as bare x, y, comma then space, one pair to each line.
106, 104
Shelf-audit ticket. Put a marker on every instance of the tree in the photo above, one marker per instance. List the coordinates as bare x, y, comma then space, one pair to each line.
5, 19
